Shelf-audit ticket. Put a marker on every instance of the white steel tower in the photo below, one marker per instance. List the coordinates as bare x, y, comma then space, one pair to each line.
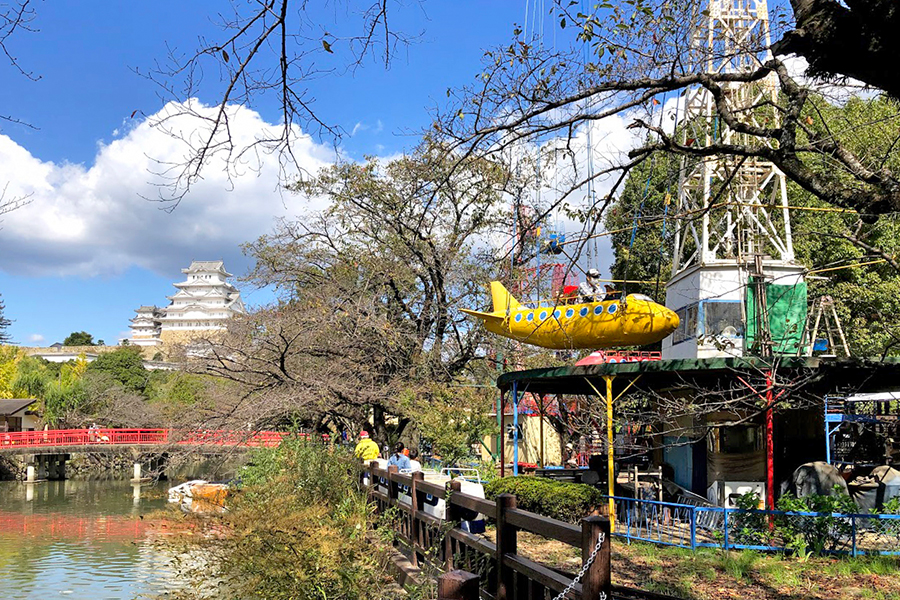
732, 210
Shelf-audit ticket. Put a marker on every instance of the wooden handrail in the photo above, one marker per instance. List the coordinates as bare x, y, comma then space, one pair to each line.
501, 584
547, 527
479, 505
543, 575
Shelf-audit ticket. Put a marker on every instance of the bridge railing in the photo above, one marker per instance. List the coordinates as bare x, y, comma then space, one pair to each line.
91, 437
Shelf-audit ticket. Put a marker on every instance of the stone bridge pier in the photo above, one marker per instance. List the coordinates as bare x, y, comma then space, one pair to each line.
39, 467
147, 467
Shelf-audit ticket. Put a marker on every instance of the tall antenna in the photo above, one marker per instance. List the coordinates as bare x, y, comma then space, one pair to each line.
731, 207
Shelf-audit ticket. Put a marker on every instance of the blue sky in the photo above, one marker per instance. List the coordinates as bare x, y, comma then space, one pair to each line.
89, 249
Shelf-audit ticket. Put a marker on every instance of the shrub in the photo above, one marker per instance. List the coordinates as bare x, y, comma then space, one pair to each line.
297, 530
820, 533
564, 501
750, 528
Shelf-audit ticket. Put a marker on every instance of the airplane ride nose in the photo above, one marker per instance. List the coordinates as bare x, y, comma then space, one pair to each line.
672, 320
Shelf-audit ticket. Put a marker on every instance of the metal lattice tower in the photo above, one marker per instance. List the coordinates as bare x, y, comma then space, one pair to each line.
732, 217
731, 208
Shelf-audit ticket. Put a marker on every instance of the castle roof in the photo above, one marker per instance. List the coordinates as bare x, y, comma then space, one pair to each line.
147, 309
207, 266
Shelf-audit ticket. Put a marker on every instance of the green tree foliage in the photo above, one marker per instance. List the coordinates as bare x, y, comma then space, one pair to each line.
638, 220
10, 357
453, 419
79, 338
868, 296
124, 366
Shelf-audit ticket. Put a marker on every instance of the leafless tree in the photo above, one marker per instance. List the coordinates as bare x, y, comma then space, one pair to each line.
370, 291
269, 51
15, 18
638, 62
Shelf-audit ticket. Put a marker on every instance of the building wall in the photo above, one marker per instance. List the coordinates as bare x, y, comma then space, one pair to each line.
697, 288
529, 442
170, 337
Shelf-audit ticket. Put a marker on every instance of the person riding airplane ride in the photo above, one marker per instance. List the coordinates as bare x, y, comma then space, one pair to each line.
590, 289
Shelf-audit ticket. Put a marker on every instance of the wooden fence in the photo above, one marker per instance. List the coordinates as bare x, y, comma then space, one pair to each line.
503, 573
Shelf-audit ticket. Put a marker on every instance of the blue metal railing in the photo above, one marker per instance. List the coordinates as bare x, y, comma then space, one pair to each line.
692, 527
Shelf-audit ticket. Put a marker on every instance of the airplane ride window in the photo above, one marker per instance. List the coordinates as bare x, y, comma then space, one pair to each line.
723, 318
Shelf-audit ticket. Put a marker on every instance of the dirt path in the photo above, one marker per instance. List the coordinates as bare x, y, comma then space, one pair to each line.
716, 575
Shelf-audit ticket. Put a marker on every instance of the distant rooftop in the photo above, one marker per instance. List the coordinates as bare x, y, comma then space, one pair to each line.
12, 406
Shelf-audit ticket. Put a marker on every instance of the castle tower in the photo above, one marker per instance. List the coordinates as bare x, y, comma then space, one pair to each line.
145, 327
733, 219
205, 300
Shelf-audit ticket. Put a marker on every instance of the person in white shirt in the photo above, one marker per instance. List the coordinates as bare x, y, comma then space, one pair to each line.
414, 464
590, 289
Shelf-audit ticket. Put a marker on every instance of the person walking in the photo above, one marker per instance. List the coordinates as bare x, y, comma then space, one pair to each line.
366, 449
398, 458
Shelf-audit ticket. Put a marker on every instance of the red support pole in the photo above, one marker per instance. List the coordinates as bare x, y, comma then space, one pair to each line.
770, 444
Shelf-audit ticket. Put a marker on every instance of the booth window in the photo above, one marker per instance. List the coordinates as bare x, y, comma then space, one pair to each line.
735, 439
723, 318
687, 325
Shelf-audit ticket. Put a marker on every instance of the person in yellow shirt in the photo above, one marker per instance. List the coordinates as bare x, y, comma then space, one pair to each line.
366, 449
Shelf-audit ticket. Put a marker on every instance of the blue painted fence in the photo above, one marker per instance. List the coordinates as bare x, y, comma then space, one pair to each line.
688, 526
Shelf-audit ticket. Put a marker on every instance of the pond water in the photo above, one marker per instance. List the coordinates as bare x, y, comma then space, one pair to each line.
81, 540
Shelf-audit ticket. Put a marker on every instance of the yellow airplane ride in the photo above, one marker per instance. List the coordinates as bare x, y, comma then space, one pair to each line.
636, 321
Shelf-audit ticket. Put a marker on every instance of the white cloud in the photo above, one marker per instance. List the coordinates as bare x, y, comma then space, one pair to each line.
35, 337
91, 221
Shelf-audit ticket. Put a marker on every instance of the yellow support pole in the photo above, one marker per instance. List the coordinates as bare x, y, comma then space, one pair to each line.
610, 452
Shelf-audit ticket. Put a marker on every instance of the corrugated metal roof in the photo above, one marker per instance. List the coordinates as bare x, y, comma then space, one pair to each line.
873, 373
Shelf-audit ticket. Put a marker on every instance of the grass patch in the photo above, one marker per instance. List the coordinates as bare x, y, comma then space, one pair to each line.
739, 564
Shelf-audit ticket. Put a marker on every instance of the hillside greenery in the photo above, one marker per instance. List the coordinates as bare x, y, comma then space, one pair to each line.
115, 390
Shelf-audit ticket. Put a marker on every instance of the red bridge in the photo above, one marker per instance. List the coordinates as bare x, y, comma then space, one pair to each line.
45, 452
19, 441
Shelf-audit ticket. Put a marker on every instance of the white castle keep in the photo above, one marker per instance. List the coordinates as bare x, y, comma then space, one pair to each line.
203, 302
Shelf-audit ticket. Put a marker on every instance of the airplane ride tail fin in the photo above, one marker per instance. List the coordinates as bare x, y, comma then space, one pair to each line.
490, 317
503, 300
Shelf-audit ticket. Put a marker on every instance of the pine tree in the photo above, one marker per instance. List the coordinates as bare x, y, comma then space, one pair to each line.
5, 338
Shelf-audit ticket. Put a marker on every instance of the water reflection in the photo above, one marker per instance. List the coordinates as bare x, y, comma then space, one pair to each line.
80, 540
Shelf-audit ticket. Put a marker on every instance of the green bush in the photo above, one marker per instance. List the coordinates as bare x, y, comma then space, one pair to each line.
815, 534
750, 528
296, 531
564, 501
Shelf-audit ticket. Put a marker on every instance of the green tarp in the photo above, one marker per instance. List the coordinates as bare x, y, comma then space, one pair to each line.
786, 310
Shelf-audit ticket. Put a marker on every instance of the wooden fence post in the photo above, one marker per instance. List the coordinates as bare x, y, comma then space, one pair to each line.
596, 582
506, 544
370, 486
416, 533
451, 517
392, 487
458, 585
